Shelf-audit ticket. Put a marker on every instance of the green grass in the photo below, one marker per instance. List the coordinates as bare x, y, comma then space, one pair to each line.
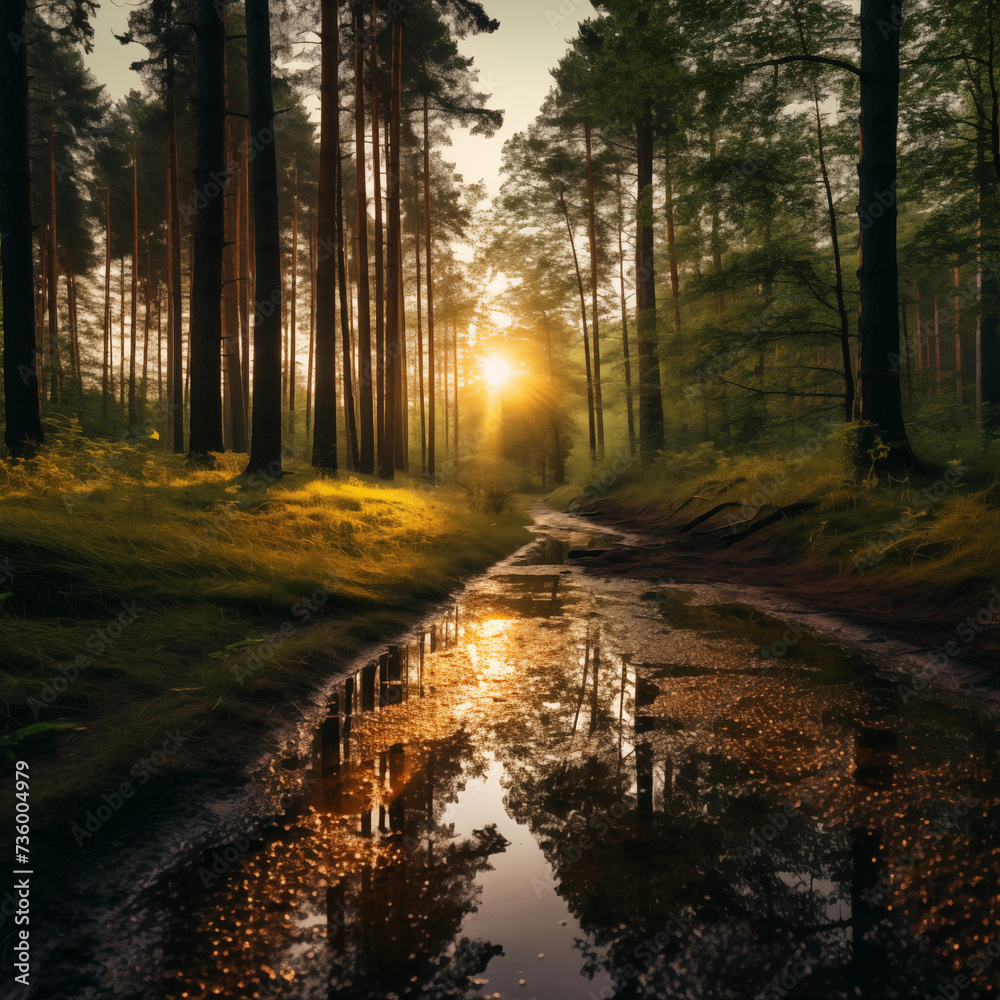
211, 566
939, 532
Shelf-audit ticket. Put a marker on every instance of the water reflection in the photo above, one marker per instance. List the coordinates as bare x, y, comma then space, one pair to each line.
618, 798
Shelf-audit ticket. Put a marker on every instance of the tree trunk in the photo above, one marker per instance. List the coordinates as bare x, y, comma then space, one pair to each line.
845, 326
206, 291
310, 360
958, 342
292, 318
650, 401
393, 337
592, 231
367, 465
55, 364
431, 423
625, 347
881, 405
133, 418
675, 281
420, 329
235, 405
107, 301
988, 328
246, 279
591, 423
350, 411
145, 322
265, 439
175, 337
74, 341
384, 460
121, 331
23, 424
328, 238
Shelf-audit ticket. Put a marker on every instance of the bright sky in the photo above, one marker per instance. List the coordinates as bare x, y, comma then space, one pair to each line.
513, 64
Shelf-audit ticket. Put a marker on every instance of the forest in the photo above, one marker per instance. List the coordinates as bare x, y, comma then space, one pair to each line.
301, 415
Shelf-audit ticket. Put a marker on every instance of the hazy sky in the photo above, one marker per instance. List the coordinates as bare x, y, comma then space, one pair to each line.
513, 64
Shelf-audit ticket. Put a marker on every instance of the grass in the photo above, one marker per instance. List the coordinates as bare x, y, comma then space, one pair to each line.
939, 532
142, 596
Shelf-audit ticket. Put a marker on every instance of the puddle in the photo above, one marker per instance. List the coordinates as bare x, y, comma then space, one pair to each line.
569, 787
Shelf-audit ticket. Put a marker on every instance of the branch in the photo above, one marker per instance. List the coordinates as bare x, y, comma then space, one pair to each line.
781, 60
782, 392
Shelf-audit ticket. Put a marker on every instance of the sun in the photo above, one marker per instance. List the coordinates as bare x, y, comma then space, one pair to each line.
496, 371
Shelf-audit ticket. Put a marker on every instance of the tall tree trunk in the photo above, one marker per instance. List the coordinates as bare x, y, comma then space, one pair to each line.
367, 465
881, 405
420, 329
55, 365
431, 424
675, 281
591, 423
650, 400
988, 327
133, 418
625, 346
23, 423
107, 300
74, 341
175, 336
454, 354
592, 232
350, 407
246, 278
292, 318
145, 322
958, 342
265, 438
845, 325
393, 338
384, 457
310, 360
121, 331
159, 338
232, 292
209, 225
329, 237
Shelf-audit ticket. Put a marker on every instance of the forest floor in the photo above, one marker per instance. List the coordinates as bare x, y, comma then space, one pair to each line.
919, 563
161, 618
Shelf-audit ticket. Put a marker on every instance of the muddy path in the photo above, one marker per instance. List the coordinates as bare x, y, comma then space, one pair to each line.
570, 782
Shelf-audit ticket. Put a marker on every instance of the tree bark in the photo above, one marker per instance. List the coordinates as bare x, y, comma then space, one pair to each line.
324, 444
591, 422
133, 313
393, 337
265, 440
431, 423
235, 405
881, 405
420, 328
675, 281
367, 457
625, 347
350, 411
107, 299
23, 425
175, 337
592, 232
206, 291
845, 326
650, 401
384, 457
55, 364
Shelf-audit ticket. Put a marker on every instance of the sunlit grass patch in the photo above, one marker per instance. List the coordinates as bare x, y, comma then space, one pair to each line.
210, 563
